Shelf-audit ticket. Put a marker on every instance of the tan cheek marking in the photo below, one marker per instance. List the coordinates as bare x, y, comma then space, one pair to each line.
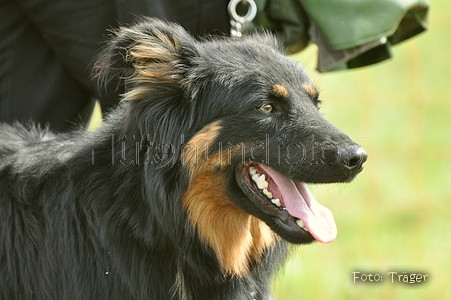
198, 146
263, 237
280, 91
195, 156
310, 89
236, 237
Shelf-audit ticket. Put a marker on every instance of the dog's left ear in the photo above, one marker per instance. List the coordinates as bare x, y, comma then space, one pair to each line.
150, 52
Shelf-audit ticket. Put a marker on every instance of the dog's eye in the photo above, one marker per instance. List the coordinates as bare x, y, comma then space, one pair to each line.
319, 103
268, 108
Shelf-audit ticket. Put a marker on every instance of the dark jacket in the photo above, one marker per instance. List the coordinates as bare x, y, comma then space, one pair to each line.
47, 48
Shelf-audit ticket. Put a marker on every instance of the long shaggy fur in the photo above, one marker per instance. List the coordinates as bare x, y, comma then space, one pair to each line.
148, 206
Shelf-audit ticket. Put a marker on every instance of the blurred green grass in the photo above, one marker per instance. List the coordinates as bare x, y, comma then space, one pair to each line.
396, 215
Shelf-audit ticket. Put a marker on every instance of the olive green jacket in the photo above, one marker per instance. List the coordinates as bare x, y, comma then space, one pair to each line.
349, 33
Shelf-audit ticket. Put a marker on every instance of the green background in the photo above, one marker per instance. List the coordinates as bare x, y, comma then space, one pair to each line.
396, 216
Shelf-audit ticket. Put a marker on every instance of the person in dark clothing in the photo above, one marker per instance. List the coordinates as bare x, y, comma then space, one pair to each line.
48, 47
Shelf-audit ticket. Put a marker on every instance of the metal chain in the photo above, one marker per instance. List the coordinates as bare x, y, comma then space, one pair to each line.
238, 22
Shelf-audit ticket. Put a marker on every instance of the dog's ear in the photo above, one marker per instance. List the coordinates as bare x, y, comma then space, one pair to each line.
150, 52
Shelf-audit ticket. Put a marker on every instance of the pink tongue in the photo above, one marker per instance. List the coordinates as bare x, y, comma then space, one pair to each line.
300, 203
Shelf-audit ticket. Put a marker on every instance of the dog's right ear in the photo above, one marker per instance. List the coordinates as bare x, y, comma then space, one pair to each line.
148, 53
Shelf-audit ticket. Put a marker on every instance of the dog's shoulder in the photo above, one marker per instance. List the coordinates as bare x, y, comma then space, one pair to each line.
27, 132
17, 136
23, 146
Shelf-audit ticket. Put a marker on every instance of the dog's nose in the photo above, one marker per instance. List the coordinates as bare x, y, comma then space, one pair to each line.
353, 158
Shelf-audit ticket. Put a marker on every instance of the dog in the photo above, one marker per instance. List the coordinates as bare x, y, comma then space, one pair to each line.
192, 188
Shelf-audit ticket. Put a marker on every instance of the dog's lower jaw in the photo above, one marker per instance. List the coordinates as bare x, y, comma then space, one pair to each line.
293, 213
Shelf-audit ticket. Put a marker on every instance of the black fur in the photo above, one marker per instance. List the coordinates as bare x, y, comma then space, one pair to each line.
99, 215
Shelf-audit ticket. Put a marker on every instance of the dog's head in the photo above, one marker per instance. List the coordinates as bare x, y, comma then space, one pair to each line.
243, 122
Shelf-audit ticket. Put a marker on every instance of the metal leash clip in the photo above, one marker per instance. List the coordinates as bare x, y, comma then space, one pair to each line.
237, 21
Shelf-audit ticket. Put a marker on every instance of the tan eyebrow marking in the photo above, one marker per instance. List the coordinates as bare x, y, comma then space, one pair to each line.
310, 89
280, 91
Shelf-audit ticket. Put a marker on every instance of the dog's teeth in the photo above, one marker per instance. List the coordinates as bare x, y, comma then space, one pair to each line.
301, 224
276, 201
252, 170
261, 182
267, 193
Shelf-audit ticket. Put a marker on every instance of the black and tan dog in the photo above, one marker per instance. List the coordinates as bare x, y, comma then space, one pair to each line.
191, 189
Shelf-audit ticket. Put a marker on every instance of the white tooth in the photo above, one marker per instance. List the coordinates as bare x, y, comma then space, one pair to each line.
276, 201
261, 182
252, 170
301, 224
267, 193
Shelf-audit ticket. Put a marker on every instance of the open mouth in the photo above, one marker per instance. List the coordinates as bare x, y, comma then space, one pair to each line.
289, 204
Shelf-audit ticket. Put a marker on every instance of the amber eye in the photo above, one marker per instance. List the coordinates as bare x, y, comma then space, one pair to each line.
319, 103
267, 108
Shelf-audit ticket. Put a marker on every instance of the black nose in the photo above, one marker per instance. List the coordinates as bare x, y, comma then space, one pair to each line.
353, 158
